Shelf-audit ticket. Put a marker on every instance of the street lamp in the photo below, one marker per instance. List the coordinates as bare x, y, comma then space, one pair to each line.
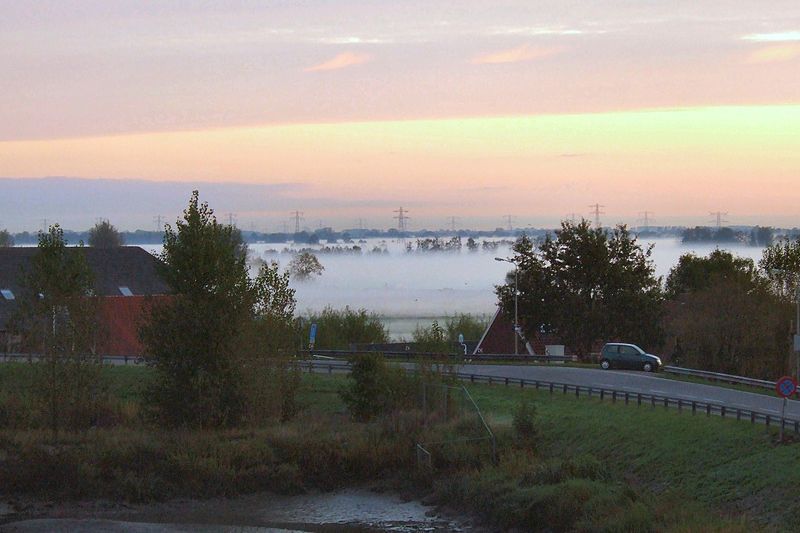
516, 300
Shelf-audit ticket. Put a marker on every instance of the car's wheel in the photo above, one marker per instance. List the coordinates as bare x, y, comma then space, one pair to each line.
605, 364
648, 367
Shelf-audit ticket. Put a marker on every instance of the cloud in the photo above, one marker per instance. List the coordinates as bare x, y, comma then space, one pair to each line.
515, 55
534, 31
778, 37
774, 54
343, 60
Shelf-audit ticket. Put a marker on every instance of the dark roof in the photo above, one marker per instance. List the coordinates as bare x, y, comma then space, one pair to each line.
125, 266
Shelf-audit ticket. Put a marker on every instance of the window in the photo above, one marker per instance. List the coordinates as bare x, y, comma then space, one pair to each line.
125, 291
628, 350
7, 294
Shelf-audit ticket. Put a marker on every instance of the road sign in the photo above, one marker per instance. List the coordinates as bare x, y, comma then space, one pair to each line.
312, 336
786, 386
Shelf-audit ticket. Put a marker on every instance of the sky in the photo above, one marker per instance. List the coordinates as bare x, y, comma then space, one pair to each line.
348, 110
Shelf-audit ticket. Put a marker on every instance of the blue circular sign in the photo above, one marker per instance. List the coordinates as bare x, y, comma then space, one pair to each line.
786, 386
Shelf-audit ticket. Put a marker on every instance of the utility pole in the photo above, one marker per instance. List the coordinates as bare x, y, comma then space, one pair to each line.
298, 216
597, 210
46, 227
718, 218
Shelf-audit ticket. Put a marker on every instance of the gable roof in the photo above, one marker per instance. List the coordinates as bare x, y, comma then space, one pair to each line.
112, 268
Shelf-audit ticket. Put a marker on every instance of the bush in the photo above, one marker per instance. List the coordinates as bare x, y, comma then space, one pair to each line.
375, 389
337, 329
432, 339
524, 422
472, 327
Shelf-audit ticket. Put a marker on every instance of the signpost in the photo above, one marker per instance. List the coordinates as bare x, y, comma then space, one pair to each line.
312, 336
785, 387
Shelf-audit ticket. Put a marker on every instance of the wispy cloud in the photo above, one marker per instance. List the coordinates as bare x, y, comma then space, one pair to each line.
515, 55
778, 37
353, 39
774, 54
534, 31
343, 60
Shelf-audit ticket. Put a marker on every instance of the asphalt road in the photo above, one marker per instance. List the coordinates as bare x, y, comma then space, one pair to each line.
639, 382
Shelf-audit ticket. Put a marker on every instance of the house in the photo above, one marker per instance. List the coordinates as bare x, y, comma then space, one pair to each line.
499, 339
126, 279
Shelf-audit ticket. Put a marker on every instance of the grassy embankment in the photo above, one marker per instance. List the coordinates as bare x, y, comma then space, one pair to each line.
593, 466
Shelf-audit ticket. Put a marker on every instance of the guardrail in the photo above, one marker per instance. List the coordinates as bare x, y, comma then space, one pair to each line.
716, 376
436, 355
603, 393
108, 359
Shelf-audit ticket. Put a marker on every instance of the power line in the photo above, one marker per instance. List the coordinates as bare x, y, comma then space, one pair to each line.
597, 210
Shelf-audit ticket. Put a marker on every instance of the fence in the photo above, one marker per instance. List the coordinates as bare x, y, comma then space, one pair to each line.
614, 395
328, 354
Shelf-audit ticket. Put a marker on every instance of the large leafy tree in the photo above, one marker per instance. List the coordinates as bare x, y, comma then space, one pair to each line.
586, 285
105, 235
724, 317
57, 321
191, 341
693, 273
780, 263
209, 341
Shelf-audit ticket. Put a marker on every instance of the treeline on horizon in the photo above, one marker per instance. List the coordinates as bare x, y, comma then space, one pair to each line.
744, 235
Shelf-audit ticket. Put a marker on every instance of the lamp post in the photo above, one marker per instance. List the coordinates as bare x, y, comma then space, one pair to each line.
516, 301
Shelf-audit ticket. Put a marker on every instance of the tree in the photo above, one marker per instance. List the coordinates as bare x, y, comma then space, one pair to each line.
191, 341
6, 239
732, 327
780, 264
586, 285
213, 344
57, 320
304, 265
694, 273
338, 329
105, 235
432, 339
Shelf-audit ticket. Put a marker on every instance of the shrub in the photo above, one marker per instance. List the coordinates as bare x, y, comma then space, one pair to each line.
337, 329
524, 421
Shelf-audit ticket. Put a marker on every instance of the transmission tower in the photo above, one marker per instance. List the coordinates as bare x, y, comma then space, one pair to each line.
231, 219
509, 222
297, 216
645, 219
597, 210
571, 217
453, 222
158, 221
402, 219
718, 218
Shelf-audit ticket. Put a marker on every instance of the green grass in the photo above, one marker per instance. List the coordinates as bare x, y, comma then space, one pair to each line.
728, 465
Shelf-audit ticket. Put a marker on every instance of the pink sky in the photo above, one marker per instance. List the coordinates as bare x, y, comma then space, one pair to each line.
468, 108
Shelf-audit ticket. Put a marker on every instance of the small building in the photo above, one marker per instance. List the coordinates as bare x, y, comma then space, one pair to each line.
125, 280
499, 339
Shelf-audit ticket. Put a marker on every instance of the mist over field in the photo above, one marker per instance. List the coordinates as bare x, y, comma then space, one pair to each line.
412, 289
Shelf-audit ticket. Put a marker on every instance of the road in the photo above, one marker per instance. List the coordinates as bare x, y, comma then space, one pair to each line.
632, 381
639, 382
